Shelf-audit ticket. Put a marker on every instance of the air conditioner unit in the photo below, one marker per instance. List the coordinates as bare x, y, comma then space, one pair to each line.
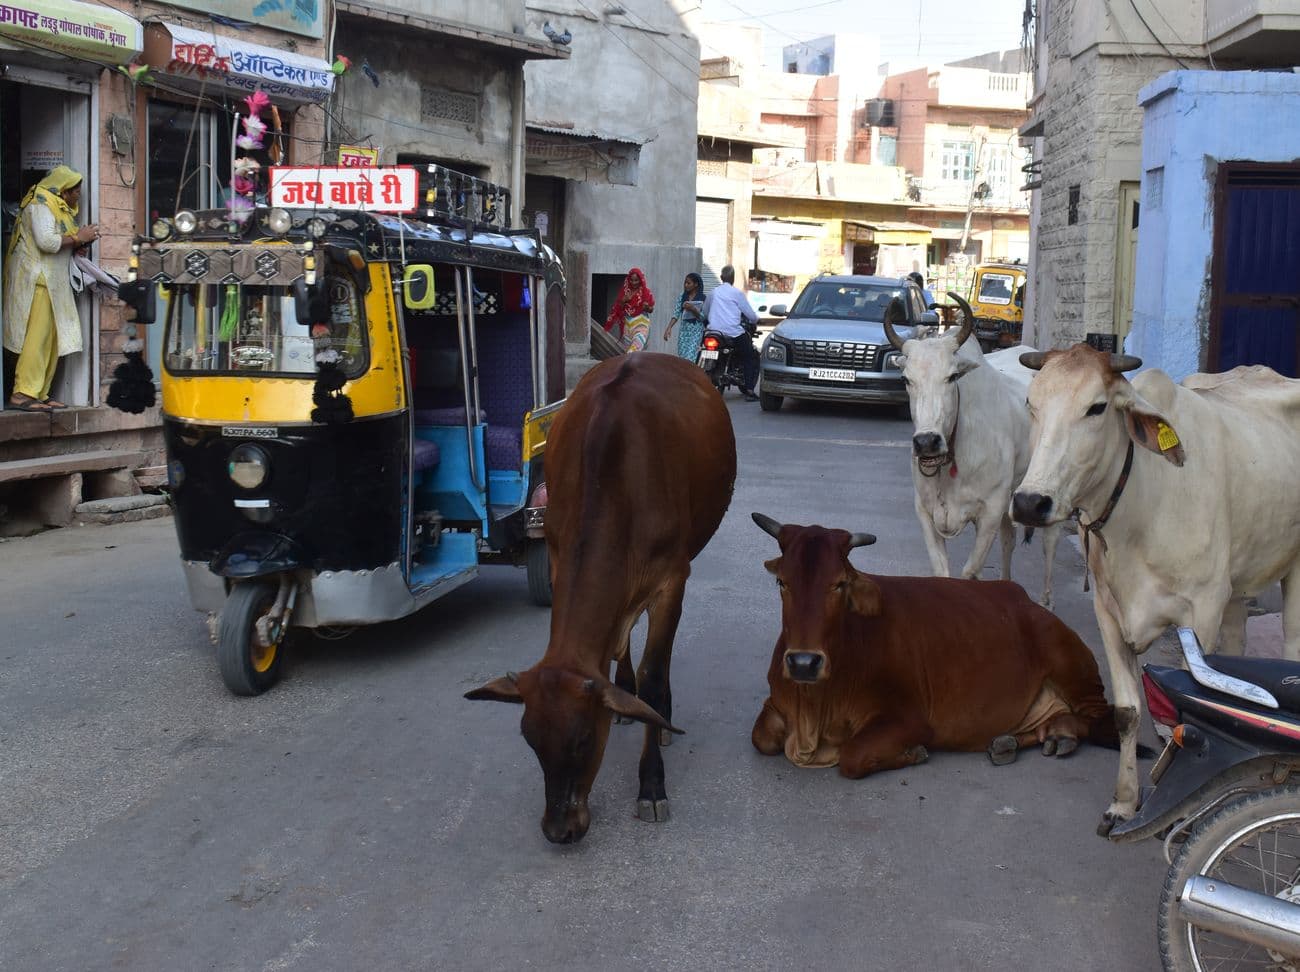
880, 113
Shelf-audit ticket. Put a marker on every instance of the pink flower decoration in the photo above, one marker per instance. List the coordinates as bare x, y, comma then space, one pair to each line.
256, 102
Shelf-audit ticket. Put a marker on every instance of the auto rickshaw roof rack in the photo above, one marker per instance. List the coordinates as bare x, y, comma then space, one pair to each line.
464, 199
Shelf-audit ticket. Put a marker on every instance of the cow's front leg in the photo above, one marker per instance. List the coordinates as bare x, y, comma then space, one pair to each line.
885, 744
1051, 536
1122, 660
1007, 536
654, 688
625, 678
1232, 630
1291, 613
986, 531
770, 730
934, 543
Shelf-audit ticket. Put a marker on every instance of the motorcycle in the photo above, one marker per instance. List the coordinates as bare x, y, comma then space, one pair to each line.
716, 356
1229, 816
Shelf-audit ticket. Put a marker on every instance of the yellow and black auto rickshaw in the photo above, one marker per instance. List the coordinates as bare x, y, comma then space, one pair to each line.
998, 299
355, 407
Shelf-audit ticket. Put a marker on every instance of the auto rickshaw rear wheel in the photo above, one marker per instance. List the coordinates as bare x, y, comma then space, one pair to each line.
539, 573
248, 666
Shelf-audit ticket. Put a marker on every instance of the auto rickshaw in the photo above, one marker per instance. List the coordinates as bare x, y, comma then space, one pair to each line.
355, 407
998, 299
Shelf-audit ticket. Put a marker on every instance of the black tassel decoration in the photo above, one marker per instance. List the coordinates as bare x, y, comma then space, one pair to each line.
332, 406
132, 387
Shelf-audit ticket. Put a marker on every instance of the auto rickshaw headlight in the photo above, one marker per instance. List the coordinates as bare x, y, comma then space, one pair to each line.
186, 222
248, 466
160, 230
279, 222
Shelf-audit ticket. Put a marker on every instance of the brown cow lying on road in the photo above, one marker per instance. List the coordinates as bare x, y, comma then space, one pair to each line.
870, 671
640, 465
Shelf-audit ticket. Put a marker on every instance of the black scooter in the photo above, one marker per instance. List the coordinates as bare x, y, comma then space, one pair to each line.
718, 361
1224, 803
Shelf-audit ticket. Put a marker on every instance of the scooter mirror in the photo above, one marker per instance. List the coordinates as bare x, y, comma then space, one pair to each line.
139, 295
418, 291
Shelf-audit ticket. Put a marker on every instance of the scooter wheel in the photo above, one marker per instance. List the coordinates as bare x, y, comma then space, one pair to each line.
247, 666
539, 573
1252, 842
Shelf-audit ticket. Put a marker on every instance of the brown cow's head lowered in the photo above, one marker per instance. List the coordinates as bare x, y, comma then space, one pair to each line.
1084, 413
566, 722
818, 584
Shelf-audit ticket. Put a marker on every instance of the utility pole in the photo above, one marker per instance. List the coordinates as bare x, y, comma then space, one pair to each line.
970, 201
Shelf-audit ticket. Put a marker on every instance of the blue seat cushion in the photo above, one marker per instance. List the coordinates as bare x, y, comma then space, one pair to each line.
424, 455
503, 447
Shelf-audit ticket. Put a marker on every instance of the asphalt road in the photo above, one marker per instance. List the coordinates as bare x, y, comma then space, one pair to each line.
362, 815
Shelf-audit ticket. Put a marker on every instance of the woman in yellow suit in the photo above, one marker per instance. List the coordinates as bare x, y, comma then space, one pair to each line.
41, 323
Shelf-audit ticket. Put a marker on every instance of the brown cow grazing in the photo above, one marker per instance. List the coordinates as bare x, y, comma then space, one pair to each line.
870, 672
640, 465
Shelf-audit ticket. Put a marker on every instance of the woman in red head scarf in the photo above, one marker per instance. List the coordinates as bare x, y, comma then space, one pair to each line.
632, 310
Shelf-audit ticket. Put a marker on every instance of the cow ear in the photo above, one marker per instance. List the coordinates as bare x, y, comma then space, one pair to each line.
962, 366
773, 566
1149, 429
864, 596
624, 703
503, 689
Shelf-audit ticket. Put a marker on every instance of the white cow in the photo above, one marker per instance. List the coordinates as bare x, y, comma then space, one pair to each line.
971, 443
1179, 531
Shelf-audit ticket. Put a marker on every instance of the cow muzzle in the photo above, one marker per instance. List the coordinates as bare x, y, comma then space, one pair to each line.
1031, 509
930, 451
567, 825
805, 666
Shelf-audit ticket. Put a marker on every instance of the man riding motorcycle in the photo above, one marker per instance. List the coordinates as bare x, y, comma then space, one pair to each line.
728, 311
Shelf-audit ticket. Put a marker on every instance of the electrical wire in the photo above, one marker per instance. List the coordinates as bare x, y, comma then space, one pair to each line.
692, 96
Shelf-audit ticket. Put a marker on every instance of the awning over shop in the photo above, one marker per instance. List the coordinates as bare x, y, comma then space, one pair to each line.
88, 31
197, 59
581, 155
885, 232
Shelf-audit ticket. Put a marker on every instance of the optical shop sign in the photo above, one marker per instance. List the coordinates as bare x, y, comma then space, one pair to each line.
394, 189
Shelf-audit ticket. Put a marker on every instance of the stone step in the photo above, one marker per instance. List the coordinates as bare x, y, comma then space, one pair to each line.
122, 509
99, 460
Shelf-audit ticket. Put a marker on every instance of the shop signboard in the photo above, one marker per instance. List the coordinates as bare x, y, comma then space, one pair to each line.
391, 189
82, 30
358, 157
305, 17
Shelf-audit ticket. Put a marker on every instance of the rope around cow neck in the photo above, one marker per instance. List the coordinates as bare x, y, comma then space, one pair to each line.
1094, 526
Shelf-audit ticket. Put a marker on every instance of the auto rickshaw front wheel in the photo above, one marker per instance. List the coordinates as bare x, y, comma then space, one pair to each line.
539, 573
249, 662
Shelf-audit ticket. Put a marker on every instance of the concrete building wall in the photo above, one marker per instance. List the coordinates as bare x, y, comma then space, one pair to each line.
633, 76
502, 16
455, 107
1194, 121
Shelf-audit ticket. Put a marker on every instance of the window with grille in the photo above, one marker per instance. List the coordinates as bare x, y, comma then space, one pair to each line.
958, 162
444, 105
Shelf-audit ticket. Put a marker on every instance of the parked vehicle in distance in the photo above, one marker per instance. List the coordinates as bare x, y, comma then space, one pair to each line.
831, 345
998, 299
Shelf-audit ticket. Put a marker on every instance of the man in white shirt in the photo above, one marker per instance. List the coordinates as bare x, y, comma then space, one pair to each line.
726, 310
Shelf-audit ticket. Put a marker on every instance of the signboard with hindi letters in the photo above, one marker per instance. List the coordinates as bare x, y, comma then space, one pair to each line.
392, 189
85, 30
358, 157
305, 17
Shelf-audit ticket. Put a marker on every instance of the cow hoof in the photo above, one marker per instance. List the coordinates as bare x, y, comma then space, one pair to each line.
652, 811
1002, 750
622, 720
1109, 820
665, 738
916, 755
1061, 746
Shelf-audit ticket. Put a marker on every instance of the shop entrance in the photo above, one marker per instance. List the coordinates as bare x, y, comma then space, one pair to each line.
46, 119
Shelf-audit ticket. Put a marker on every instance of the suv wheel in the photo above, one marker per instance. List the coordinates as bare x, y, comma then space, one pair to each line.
769, 403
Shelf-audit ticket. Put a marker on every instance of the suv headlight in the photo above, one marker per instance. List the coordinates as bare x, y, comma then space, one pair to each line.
894, 361
775, 351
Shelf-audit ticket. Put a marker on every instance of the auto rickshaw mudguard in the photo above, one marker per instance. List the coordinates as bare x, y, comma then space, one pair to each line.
257, 554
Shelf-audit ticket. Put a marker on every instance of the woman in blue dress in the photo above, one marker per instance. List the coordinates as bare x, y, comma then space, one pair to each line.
688, 317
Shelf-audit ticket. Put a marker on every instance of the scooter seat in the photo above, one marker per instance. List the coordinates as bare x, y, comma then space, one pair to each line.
424, 455
1278, 676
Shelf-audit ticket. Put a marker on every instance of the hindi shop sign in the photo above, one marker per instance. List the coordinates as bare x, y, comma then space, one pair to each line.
69, 27
357, 157
393, 189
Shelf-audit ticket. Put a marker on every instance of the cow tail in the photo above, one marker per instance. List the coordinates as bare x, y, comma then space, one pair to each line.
1102, 731
1028, 535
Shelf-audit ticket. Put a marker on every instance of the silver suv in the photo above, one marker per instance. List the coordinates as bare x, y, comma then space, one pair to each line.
831, 345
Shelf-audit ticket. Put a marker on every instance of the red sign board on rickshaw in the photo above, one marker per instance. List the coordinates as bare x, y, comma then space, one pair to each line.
391, 189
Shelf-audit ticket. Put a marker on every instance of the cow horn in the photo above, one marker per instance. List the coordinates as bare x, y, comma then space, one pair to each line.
861, 540
968, 316
1124, 362
1033, 360
767, 524
894, 312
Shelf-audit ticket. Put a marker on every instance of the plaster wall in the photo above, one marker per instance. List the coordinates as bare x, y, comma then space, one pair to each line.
1194, 121
632, 76
502, 16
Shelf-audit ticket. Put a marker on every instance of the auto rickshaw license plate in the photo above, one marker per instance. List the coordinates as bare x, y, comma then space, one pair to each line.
831, 374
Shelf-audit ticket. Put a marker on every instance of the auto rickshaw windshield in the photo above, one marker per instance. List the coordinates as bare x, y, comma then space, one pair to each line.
237, 329
996, 288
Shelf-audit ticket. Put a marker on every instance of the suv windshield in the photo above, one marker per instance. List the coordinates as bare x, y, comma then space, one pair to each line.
847, 301
234, 329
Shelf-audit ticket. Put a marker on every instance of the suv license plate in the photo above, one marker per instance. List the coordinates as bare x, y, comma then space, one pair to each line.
831, 374
706, 355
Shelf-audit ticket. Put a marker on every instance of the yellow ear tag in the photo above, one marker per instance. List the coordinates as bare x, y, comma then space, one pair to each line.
1166, 437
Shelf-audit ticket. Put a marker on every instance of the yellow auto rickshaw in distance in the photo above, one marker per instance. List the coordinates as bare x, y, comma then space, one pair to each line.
355, 406
998, 299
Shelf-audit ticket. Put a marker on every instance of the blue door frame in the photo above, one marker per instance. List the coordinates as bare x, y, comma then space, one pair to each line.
1255, 278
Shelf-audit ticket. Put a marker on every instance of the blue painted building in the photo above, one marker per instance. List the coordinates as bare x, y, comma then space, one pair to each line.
1218, 255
